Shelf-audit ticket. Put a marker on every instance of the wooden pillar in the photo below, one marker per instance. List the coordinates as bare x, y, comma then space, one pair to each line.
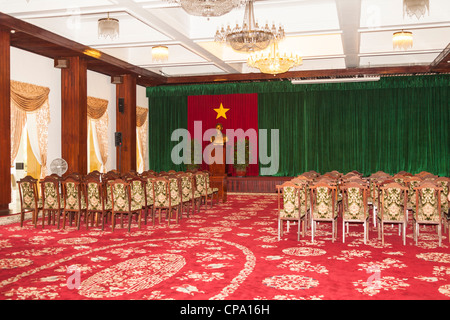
126, 123
74, 115
5, 116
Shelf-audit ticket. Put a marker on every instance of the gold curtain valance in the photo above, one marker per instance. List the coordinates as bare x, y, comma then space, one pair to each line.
141, 116
28, 97
96, 107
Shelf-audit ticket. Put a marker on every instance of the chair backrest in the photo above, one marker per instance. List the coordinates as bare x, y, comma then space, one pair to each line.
187, 185
120, 195
28, 192
355, 200
288, 192
138, 191
393, 201
150, 188
200, 183
428, 202
323, 200
50, 193
161, 187
72, 192
95, 194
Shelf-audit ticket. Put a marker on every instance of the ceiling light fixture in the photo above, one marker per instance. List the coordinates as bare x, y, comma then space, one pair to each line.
364, 78
208, 8
108, 28
402, 40
160, 53
250, 37
272, 61
416, 8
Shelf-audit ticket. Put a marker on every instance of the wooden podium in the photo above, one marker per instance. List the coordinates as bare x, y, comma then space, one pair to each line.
218, 177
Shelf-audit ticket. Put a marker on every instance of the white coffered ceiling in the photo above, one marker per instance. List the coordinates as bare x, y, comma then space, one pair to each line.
328, 34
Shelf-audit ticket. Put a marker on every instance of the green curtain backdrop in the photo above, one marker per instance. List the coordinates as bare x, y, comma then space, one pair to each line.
166, 113
395, 124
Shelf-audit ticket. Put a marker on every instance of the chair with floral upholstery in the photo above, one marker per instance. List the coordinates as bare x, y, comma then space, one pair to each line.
163, 199
428, 208
122, 203
393, 204
188, 193
201, 188
73, 200
52, 202
150, 195
444, 183
95, 193
411, 183
211, 191
29, 199
138, 192
289, 194
324, 206
355, 207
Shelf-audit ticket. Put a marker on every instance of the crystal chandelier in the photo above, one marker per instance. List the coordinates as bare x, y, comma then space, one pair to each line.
416, 8
160, 53
108, 28
402, 40
250, 37
208, 8
272, 61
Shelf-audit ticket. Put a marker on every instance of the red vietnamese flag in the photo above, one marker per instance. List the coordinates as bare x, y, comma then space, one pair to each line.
233, 111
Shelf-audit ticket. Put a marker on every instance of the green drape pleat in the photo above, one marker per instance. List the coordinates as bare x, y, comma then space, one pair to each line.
166, 113
395, 124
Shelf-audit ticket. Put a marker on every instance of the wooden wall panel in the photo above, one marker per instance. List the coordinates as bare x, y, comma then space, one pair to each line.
5, 114
74, 115
126, 124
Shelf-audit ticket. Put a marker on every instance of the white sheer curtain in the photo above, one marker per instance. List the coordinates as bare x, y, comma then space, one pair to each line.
142, 136
98, 118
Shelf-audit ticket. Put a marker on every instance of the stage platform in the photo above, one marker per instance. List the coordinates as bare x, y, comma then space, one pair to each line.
255, 184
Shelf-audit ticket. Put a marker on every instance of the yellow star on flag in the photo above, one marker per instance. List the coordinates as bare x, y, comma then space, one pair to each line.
221, 112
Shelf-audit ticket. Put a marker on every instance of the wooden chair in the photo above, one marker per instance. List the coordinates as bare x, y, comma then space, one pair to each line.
323, 206
150, 195
138, 192
163, 200
189, 196
52, 202
428, 208
294, 206
211, 191
201, 188
355, 207
29, 199
74, 201
122, 203
393, 207
95, 193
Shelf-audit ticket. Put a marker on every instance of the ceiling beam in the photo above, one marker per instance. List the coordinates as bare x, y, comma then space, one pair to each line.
32, 38
349, 15
158, 23
442, 61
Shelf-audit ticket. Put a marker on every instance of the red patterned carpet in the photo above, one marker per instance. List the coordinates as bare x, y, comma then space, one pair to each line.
228, 252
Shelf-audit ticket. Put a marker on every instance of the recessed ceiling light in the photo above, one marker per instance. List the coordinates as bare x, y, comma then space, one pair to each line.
13, 31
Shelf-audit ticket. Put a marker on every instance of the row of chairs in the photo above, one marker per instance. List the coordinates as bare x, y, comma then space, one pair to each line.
106, 196
311, 198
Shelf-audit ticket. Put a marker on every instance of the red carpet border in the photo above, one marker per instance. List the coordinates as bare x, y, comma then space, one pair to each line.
229, 252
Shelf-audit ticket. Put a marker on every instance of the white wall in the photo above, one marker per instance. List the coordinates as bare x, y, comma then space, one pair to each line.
35, 69
100, 86
39, 70
142, 101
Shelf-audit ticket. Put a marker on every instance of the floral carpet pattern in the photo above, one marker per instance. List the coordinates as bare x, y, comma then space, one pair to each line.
230, 251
